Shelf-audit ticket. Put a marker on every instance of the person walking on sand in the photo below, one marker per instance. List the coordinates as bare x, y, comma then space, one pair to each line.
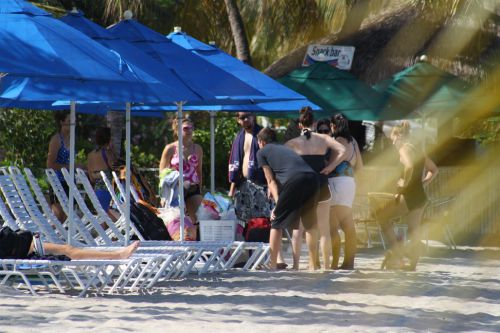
409, 200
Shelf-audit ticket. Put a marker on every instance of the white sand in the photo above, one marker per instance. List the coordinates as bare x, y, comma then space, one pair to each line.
452, 291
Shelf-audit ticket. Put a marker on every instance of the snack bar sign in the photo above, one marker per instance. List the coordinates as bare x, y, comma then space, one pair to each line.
337, 56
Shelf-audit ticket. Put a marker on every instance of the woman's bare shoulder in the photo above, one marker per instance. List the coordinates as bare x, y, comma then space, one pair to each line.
198, 148
170, 146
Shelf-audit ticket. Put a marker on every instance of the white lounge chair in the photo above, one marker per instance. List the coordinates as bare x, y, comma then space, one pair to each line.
6, 217
83, 232
27, 215
54, 227
43, 204
102, 215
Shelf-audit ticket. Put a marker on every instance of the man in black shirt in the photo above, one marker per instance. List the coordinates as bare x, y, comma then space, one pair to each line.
294, 186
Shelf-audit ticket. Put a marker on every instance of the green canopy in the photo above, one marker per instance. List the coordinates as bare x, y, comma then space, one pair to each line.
422, 88
336, 90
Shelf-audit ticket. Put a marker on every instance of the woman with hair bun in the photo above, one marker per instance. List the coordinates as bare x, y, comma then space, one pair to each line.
343, 188
409, 201
312, 147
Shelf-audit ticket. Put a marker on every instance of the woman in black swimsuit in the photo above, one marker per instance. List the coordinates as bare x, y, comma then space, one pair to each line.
312, 147
409, 201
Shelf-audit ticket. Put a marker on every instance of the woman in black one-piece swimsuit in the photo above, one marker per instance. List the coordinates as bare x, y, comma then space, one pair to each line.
410, 200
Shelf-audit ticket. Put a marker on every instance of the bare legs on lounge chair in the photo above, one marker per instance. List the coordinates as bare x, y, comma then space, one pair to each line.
76, 253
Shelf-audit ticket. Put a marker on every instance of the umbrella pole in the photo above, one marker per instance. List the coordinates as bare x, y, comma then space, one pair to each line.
212, 152
180, 152
72, 120
127, 173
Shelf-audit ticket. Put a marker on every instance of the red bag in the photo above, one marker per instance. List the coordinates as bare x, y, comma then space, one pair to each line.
258, 229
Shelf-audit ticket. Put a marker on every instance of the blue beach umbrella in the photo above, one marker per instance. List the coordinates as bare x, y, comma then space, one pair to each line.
210, 53
135, 57
43, 59
193, 70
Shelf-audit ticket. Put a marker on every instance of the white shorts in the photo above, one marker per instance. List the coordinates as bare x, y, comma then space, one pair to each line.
343, 189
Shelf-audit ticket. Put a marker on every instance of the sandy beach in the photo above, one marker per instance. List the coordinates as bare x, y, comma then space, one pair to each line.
452, 291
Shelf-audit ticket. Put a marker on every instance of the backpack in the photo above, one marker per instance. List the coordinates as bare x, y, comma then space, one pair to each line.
148, 223
258, 230
14, 244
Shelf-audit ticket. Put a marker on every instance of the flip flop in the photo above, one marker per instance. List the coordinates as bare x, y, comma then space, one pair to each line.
281, 266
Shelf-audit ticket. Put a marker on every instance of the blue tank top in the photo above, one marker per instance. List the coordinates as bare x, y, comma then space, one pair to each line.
345, 167
62, 158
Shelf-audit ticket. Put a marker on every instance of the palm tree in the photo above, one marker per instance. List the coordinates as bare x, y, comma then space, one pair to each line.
238, 29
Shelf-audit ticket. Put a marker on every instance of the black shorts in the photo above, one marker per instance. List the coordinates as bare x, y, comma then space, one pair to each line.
297, 199
53, 197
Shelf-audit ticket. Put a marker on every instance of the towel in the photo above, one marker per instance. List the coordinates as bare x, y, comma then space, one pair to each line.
255, 174
169, 187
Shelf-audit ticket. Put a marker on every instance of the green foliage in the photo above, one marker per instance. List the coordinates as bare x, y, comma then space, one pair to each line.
143, 159
488, 131
25, 136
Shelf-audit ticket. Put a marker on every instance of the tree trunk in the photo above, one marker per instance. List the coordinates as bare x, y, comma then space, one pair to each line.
116, 122
238, 30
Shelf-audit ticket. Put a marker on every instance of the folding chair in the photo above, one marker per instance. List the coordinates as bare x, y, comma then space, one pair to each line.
121, 190
437, 212
7, 217
42, 202
363, 217
51, 227
102, 215
82, 232
80, 275
103, 237
27, 216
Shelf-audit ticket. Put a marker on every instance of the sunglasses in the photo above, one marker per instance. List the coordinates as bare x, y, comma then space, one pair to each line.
243, 117
187, 128
323, 131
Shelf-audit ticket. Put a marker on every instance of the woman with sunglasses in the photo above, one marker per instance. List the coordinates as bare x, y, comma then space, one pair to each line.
343, 188
192, 165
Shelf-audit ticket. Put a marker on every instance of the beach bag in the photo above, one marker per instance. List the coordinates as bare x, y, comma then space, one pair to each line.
14, 244
258, 230
172, 220
148, 223
250, 200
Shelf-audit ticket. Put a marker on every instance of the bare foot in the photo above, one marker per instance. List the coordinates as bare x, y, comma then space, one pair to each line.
348, 266
313, 266
126, 252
